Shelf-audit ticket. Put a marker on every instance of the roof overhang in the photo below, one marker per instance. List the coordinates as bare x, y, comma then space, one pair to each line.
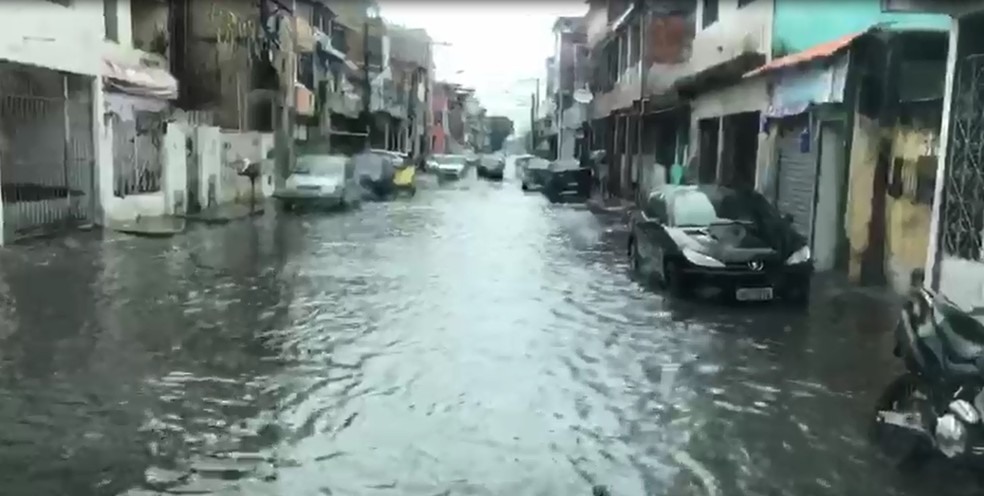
139, 80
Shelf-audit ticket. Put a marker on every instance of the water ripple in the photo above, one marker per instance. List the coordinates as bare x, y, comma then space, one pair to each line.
473, 340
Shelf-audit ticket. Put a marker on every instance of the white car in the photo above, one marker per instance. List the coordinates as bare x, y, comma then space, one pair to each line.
319, 181
448, 166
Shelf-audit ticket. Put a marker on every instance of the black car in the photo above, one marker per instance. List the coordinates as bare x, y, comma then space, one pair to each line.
533, 172
715, 241
374, 172
567, 181
491, 167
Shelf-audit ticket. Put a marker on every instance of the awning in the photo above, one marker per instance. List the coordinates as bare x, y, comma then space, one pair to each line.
821, 51
324, 42
139, 80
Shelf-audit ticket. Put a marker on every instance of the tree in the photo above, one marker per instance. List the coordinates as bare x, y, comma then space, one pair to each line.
500, 128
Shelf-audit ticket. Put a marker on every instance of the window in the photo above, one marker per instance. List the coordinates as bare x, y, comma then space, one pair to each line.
110, 20
742, 3
710, 14
705, 207
67, 3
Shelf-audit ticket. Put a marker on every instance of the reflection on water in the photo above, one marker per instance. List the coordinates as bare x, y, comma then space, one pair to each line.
473, 340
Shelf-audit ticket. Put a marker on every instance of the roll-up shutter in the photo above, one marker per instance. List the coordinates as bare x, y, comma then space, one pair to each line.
797, 177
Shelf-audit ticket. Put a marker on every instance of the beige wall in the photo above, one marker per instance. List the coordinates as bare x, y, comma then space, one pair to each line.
737, 30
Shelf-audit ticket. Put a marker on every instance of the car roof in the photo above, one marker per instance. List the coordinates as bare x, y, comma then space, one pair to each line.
707, 188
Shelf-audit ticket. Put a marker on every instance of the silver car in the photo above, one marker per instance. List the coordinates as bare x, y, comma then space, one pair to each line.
449, 167
319, 180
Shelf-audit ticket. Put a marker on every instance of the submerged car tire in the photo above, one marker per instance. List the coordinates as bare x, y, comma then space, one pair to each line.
635, 264
525, 187
673, 280
798, 298
285, 206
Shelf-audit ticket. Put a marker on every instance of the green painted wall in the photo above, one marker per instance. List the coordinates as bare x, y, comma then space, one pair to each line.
801, 24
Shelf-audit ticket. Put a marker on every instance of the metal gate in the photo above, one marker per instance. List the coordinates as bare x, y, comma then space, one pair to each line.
46, 150
963, 189
797, 173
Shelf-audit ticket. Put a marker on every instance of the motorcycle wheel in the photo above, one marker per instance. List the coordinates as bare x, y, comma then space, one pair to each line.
906, 450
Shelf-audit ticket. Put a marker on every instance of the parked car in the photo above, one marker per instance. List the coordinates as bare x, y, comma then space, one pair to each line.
709, 241
448, 167
319, 180
404, 175
491, 167
374, 172
405, 179
533, 172
567, 181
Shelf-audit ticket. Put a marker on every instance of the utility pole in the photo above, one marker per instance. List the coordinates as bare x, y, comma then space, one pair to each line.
284, 136
366, 85
532, 123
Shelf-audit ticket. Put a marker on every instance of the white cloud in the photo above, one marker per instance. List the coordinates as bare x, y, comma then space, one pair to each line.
498, 48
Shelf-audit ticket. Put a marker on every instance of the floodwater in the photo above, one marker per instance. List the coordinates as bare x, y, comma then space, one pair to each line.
474, 340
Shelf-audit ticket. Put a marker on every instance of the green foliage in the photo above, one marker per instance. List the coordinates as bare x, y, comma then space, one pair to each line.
235, 31
500, 128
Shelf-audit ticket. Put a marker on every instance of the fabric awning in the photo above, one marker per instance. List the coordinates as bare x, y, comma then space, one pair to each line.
139, 80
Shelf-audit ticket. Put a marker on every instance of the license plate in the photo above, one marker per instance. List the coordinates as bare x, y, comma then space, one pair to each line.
309, 188
753, 294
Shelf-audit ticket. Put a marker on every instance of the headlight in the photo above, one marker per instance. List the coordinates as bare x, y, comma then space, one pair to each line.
801, 255
701, 259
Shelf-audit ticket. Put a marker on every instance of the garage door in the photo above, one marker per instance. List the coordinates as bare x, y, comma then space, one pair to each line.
797, 176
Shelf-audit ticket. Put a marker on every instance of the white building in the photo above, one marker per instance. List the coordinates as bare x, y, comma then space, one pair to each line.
56, 158
568, 73
955, 254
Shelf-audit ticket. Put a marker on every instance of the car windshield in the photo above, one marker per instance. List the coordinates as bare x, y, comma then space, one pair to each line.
449, 159
489, 160
321, 165
537, 163
704, 208
566, 164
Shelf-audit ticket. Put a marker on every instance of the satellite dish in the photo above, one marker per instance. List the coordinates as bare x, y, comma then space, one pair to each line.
583, 96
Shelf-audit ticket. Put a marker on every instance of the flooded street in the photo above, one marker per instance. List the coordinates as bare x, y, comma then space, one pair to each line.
471, 341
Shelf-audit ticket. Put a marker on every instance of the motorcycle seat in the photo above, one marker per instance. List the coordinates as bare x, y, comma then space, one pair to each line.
963, 338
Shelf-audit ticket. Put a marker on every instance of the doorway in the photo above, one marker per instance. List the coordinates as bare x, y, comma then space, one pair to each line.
707, 156
829, 224
739, 154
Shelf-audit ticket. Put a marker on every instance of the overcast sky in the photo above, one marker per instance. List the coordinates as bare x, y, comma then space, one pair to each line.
498, 48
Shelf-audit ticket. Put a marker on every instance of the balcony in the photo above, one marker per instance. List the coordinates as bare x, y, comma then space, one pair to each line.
737, 32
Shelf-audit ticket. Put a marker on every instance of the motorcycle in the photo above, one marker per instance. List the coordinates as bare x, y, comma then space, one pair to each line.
937, 405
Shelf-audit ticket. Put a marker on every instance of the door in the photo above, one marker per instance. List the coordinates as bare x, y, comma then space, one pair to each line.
194, 204
797, 175
707, 155
828, 224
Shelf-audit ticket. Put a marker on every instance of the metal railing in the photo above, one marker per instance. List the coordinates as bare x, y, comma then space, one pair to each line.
46, 149
963, 189
137, 164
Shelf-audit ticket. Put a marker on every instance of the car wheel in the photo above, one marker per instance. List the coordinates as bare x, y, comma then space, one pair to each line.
798, 298
525, 187
674, 281
634, 263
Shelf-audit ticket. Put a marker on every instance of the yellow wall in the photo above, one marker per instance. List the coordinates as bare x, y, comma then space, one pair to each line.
908, 221
864, 153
